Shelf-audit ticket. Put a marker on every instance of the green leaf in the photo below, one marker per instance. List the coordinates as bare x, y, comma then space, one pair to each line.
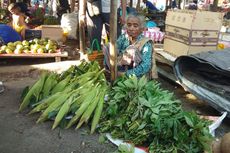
144, 102
128, 83
142, 82
189, 120
102, 139
24, 92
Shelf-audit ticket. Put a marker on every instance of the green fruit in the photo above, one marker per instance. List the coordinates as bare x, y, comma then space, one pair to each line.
51, 51
40, 50
10, 44
17, 51
26, 51
36, 40
34, 51
11, 47
3, 47
48, 46
2, 51
36, 46
9, 51
19, 46
17, 43
25, 43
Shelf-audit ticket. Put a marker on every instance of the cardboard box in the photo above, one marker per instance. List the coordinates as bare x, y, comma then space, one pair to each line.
189, 32
53, 32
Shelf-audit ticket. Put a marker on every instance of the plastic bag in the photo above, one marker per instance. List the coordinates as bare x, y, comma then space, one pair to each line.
69, 24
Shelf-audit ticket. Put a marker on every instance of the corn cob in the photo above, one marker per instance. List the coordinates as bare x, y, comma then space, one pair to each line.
63, 111
83, 107
61, 85
86, 115
45, 103
34, 90
97, 113
56, 104
50, 82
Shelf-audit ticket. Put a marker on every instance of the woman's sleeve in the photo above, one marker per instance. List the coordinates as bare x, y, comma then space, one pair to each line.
146, 63
121, 43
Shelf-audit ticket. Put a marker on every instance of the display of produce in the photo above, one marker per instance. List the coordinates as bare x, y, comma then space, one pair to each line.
51, 20
77, 93
34, 46
140, 112
136, 110
4, 16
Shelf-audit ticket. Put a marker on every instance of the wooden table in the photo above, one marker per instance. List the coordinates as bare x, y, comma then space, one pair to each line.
57, 56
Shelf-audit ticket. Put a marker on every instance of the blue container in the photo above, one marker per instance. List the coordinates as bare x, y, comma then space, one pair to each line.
150, 24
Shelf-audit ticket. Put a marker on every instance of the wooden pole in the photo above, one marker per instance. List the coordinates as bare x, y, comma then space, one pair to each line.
82, 15
113, 38
72, 5
138, 7
131, 3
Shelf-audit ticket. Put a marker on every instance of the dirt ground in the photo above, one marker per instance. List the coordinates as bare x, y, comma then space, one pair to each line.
19, 132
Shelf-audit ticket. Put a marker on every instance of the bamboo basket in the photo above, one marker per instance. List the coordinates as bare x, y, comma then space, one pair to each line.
96, 55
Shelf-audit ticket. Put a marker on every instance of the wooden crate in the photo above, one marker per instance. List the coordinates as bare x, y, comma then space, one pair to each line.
53, 32
189, 32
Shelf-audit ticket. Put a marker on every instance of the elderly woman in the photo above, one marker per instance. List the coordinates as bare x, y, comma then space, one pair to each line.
134, 50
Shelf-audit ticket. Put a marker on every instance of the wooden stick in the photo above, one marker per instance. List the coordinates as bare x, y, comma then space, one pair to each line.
113, 38
82, 15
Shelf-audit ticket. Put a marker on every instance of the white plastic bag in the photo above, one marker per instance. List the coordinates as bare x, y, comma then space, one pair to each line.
69, 24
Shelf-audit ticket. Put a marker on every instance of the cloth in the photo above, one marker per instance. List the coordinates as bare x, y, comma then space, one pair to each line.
18, 28
8, 34
150, 6
105, 5
155, 36
141, 56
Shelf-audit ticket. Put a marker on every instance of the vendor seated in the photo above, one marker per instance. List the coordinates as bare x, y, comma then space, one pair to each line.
133, 49
18, 19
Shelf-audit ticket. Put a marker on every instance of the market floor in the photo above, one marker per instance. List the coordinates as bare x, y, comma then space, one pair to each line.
19, 132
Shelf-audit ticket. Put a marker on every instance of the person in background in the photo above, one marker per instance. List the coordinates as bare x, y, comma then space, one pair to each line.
18, 19
150, 6
133, 49
97, 14
193, 5
63, 7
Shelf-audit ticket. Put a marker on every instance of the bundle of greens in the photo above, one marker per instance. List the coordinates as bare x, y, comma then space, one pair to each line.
141, 112
78, 92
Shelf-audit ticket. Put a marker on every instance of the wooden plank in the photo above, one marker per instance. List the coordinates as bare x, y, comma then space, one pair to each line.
24, 55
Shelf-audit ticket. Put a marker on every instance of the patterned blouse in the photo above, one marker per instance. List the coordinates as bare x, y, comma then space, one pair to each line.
146, 55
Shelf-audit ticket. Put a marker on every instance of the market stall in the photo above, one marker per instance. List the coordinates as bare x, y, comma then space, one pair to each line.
135, 110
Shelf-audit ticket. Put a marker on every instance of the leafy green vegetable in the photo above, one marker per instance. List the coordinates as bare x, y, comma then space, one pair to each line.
141, 112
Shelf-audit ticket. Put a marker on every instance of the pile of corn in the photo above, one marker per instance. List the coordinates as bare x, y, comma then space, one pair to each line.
77, 93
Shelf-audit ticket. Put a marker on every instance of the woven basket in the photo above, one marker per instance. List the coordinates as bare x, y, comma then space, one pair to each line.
96, 55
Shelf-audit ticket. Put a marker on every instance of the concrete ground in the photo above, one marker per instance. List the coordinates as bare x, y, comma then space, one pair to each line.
19, 132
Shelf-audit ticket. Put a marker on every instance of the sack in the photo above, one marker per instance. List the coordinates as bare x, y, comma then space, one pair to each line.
69, 24
96, 55
94, 8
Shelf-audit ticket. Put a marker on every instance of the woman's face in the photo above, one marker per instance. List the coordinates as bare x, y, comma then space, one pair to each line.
14, 11
134, 28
